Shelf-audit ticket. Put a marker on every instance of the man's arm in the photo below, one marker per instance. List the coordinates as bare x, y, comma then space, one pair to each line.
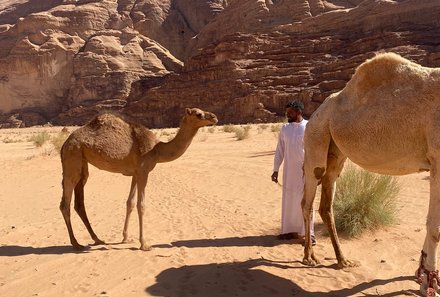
279, 157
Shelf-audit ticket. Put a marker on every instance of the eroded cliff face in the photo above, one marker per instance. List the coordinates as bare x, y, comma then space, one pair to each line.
65, 61
249, 77
77, 57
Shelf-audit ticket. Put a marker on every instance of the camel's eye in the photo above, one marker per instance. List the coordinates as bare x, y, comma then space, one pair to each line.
199, 115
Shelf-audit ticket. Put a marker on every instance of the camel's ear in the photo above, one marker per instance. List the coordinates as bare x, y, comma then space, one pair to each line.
188, 111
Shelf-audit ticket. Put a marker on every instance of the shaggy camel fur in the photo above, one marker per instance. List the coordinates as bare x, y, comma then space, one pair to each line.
112, 144
386, 120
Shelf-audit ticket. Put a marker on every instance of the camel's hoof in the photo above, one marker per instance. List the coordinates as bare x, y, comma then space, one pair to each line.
310, 262
347, 264
126, 240
145, 247
79, 247
98, 242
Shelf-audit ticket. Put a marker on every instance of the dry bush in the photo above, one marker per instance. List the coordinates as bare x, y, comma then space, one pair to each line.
241, 133
40, 138
364, 201
59, 139
275, 128
11, 140
229, 128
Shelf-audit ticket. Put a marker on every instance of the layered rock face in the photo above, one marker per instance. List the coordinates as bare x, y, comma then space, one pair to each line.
65, 61
250, 77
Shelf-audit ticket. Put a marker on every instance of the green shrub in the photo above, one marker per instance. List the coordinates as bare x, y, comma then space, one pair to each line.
59, 139
40, 138
364, 201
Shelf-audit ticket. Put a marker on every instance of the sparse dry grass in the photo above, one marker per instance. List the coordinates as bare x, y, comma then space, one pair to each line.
229, 128
40, 138
59, 139
364, 201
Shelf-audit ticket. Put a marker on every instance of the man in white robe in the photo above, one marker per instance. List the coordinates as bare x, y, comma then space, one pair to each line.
290, 150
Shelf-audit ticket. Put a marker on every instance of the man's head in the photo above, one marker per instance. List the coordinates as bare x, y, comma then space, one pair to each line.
294, 111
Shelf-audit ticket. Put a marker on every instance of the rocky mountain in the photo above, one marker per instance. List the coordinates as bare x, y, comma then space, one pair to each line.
64, 61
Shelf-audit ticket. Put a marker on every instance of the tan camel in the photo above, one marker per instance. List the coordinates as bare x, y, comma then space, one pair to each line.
386, 120
110, 143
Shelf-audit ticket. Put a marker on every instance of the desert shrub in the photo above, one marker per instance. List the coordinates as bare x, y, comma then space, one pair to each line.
10, 140
40, 138
211, 129
229, 128
241, 133
364, 201
275, 128
59, 139
263, 126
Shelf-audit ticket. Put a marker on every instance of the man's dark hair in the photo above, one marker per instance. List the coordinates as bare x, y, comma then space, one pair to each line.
296, 104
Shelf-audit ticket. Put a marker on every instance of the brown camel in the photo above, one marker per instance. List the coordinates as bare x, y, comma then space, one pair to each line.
386, 120
110, 143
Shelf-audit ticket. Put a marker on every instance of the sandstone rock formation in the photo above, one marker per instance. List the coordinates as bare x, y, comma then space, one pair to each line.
308, 60
72, 57
66, 60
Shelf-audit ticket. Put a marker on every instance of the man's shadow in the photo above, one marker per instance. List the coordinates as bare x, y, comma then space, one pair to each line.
246, 279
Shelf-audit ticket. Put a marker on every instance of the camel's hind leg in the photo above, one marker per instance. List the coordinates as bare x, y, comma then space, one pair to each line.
432, 230
71, 176
130, 206
335, 163
79, 202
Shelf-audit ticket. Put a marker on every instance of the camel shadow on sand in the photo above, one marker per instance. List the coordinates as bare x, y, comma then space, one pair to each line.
16, 250
245, 279
262, 240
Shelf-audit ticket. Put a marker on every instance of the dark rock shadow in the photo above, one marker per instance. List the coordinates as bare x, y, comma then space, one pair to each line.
245, 279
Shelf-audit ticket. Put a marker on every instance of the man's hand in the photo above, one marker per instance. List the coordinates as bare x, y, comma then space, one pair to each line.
275, 176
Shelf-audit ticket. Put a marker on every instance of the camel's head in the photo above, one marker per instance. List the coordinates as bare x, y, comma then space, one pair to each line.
199, 118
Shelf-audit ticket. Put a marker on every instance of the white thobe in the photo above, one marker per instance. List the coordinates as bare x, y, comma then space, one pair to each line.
290, 150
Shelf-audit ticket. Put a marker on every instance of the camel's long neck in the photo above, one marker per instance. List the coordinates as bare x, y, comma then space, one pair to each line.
169, 151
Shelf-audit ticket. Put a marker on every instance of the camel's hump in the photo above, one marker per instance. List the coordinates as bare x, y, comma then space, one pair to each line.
107, 119
116, 135
386, 69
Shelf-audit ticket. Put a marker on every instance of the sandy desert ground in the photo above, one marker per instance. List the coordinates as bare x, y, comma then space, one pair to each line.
212, 219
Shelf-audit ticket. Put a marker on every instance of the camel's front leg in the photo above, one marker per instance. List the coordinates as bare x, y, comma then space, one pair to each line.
428, 264
130, 207
141, 184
